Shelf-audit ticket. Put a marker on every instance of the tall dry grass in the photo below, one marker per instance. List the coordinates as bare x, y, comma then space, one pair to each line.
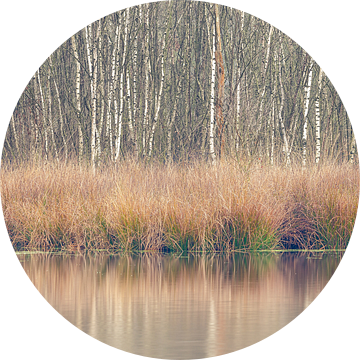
191, 207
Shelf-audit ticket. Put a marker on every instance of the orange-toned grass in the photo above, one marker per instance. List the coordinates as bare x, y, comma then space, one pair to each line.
191, 207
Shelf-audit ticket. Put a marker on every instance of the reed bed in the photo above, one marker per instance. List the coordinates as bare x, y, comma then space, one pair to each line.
179, 207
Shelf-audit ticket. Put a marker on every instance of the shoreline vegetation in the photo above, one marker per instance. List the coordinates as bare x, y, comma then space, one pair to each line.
179, 207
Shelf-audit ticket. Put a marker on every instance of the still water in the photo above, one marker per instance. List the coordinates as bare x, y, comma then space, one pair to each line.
180, 307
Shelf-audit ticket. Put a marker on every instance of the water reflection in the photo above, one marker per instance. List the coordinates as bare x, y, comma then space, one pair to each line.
179, 307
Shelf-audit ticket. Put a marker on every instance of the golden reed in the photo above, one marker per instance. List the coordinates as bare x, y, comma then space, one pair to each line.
180, 207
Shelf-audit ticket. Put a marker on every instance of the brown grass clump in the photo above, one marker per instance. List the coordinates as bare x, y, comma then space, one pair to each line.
191, 207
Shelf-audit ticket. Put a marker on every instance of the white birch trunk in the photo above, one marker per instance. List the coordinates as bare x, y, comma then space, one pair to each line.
92, 94
60, 115
147, 71
131, 127
282, 125
50, 117
93, 82
112, 86
78, 100
146, 105
238, 107
264, 78
317, 119
119, 120
238, 94
352, 150
102, 97
118, 117
12, 122
272, 132
212, 103
132, 105
117, 130
158, 97
116, 107
35, 123
306, 111
135, 106
43, 116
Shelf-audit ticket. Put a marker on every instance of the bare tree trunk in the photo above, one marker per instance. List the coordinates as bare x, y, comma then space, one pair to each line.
352, 149
147, 72
158, 99
238, 107
283, 130
78, 100
159, 96
272, 132
91, 47
317, 119
131, 128
119, 120
112, 86
35, 130
221, 82
12, 122
135, 104
101, 90
264, 79
172, 119
306, 111
50, 117
43, 115
238, 90
212, 102
60, 116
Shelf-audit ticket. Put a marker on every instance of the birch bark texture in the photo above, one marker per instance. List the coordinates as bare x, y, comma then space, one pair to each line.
317, 118
212, 100
306, 111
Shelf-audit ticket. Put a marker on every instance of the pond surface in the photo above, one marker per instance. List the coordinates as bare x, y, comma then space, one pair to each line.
166, 306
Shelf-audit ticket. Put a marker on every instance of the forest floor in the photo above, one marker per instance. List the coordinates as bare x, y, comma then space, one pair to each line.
180, 207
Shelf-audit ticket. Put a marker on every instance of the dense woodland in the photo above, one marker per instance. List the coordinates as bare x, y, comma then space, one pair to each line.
176, 81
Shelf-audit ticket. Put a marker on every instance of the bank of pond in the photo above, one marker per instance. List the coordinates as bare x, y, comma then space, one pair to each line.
135, 207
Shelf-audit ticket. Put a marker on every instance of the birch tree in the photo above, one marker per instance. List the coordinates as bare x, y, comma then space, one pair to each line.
264, 78
112, 86
118, 119
131, 127
78, 100
12, 123
238, 88
43, 116
212, 101
159, 96
135, 91
35, 128
282, 98
172, 119
317, 118
306, 111
352, 149
93, 66
61, 120
272, 132
221, 80
101, 94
